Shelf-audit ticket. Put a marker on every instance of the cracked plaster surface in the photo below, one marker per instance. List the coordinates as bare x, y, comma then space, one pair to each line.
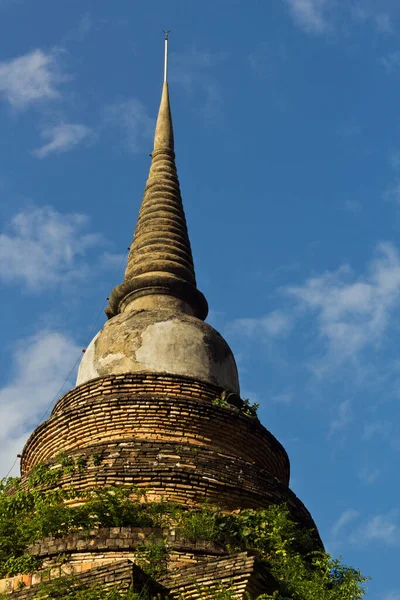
160, 342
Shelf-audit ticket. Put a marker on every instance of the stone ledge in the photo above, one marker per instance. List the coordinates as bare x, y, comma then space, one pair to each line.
119, 574
241, 572
112, 539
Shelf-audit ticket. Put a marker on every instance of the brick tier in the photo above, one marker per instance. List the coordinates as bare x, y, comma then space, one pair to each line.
172, 410
184, 474
167, 436
104, 556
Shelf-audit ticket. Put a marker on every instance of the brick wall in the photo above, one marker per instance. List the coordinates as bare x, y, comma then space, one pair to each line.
165, 435
111, 539
184, 474
159, 408
119, 575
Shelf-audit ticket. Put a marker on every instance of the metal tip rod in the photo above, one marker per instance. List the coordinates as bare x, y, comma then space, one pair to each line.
166, 33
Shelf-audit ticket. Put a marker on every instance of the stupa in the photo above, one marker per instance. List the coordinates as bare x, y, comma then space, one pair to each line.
157, 405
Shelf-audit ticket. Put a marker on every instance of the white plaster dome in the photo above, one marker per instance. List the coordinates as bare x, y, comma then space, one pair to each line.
160, 341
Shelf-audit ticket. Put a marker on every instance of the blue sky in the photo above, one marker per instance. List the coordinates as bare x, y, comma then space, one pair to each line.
287, 140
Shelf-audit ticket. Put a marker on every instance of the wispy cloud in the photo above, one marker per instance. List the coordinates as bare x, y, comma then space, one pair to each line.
274, 324
31, 79
383, 22
285, 397
43, 248
85, 25
348, 315
391, 61
347, 517
195, 71
392, 596
322, 16
380, 20
352, 206
368, 476
62, 138
382, 528
132, 119
40, 366
343, 418
392, 192
352, 311
382, 431
379, 528
310, 15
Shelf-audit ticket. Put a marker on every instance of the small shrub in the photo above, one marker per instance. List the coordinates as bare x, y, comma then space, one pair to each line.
220, 401
152, 558
249, 409
67, 462
96, 459
81, 463
198, 524
43, 476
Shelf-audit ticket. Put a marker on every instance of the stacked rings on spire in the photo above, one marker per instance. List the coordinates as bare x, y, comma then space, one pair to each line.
160, 262
161, 243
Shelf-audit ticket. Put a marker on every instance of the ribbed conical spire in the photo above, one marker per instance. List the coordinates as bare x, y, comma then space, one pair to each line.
161, 242
160, 261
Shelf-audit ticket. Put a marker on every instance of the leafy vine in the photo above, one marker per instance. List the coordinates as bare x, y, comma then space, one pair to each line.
302, 570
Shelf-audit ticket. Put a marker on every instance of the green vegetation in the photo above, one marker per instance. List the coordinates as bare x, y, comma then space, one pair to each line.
244, 406
70, 587
300, 569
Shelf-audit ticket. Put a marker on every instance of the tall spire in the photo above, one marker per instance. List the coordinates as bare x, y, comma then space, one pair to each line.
160, 269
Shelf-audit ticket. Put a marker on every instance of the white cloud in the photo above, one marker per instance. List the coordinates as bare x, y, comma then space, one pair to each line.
391, 61
40, 366
283, 398
112, 260
321, 16
352, 312
382, 431
392, 193
352, 206
347, 517
368, 476
30, 79
85, 25
383, 22
132, 118
379, 528
274, 324
393, 596
43, 248
310, 14
193, 70
63, 138
343, 417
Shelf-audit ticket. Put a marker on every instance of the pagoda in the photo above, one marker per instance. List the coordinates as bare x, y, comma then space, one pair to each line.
157, 407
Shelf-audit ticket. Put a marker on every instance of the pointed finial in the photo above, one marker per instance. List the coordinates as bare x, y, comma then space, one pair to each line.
166, 33
160, 271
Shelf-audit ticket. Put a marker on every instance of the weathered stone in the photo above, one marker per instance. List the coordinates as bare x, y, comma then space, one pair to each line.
160, 341
149, 410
